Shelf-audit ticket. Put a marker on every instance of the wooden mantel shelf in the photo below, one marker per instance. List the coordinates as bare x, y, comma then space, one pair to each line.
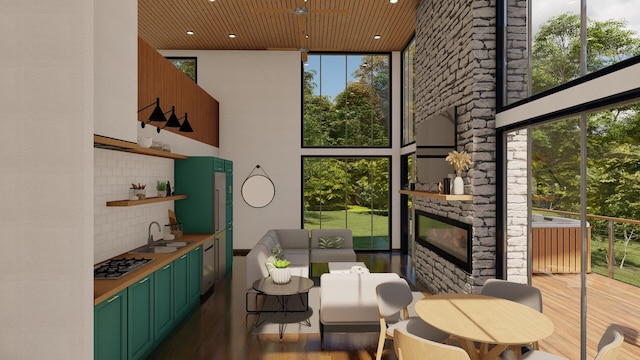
104, 142
432, 195
149, 200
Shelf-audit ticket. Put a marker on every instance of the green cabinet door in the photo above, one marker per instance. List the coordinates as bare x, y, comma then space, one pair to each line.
195, 275
140, 322
218, 165
110, 328
194, 177
229, 247
163, 302
181, 286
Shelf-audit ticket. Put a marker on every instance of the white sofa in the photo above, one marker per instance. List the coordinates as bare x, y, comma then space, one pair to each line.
348, 302
344, 253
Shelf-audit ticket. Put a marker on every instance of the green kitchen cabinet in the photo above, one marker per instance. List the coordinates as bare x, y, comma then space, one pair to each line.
228, 168
195, 276
218, 165
110, 328
181, 286
140, 339
229, 240
187, 280
163, 302
204, 179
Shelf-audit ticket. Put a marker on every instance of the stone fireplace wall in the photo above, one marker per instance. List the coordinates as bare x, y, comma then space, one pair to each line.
456, 66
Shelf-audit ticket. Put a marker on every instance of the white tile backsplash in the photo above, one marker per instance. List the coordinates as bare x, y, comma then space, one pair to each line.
118, 229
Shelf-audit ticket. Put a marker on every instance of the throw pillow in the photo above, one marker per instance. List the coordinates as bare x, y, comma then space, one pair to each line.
330, 242
269, 263
277, 252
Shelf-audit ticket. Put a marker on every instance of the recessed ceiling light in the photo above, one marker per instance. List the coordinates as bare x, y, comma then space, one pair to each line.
215, 0
190, 32
391, 1
232, 36
377, 37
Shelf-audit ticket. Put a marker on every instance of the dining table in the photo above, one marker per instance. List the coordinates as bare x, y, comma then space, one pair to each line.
484, 325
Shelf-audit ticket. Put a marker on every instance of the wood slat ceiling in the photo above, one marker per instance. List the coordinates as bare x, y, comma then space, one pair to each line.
331, 25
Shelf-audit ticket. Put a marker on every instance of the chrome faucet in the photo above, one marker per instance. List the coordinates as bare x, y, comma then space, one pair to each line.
150, 237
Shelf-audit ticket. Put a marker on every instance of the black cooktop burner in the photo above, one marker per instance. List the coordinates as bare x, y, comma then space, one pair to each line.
117, 268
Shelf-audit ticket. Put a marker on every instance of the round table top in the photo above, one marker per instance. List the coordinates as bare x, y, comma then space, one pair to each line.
297, 285
484, 319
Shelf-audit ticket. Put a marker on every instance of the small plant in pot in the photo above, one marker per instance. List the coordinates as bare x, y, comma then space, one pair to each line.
281, 274
162, 188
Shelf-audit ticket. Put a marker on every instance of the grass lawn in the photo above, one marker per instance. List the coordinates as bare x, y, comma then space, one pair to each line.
369, 231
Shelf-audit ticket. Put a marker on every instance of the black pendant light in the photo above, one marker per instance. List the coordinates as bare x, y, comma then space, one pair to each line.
157, 115
172, 121
185, 127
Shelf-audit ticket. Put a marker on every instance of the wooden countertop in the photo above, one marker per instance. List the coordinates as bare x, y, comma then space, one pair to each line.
104, 289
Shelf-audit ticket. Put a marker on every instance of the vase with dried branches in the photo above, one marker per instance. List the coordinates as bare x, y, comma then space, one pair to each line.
461, 161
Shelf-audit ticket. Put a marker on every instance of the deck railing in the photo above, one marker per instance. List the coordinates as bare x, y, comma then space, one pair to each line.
607, 232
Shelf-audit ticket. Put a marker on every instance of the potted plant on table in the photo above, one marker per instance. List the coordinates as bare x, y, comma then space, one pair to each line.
461, 161
281, 274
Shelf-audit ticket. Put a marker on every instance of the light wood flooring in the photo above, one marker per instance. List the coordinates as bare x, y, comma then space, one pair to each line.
221, 328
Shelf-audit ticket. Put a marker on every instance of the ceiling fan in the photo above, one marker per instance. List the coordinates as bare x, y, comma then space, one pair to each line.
302, 13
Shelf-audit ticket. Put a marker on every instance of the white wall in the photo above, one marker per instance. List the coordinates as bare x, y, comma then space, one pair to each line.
260, 118
46, 128
260, 124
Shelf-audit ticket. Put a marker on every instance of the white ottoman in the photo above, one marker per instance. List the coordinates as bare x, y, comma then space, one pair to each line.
343, 267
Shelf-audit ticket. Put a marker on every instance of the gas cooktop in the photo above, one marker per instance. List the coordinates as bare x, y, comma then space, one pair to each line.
116, 268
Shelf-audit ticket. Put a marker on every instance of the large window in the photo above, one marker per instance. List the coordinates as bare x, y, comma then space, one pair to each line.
188, 65
408, 102
556, 50
346, 101
348, 192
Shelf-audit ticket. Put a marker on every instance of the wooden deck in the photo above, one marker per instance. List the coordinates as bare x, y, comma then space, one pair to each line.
608, 301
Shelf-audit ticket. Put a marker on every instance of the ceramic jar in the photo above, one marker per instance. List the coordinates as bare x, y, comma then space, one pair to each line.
281, 275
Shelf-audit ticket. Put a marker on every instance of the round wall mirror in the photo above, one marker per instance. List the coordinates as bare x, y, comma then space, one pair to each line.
258, 191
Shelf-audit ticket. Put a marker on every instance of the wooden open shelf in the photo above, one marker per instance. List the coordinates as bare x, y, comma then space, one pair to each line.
149, 200
432, 195
104, 142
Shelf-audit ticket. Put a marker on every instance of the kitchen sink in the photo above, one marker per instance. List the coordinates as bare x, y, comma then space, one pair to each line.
161, 247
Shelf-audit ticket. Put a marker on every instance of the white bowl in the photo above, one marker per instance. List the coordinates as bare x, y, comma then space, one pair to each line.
145, 142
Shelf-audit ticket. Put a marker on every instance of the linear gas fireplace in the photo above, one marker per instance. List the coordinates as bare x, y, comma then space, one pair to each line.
448, 238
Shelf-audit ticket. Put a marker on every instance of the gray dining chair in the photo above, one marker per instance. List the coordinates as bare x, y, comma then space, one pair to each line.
609, 347
521, 293
393, 298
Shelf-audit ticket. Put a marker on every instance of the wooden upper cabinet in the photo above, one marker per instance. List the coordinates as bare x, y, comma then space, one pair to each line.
158, 78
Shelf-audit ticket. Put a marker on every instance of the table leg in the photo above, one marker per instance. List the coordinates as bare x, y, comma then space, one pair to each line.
470, 348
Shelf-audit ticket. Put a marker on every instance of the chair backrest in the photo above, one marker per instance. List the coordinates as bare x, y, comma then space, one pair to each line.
520, 293
393, 296
610, 344
410, 347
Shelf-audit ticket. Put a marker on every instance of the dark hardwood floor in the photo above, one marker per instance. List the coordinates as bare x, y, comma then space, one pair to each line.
221, 328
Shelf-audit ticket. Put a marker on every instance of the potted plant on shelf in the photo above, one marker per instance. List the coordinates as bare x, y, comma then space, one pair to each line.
461, 161
281, 274
161, 186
